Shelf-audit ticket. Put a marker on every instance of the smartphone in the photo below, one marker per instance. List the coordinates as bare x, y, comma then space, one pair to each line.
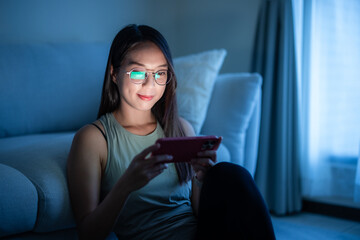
183, 149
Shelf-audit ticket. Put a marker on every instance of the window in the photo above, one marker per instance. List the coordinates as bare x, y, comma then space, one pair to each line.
330, 60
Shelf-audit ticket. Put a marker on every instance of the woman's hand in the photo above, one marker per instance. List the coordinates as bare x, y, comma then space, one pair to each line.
144, 168
203, 163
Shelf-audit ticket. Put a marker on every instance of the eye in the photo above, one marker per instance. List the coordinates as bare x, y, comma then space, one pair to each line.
161, 73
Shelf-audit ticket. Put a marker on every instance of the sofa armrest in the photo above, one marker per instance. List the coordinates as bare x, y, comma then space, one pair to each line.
252, 136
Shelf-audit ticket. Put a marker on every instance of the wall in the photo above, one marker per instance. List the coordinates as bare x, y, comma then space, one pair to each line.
189, 26
228, 24
65, 20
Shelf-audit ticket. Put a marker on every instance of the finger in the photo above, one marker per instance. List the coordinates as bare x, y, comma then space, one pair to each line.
154, 174
208, 154
158, 169
205, 162
199, 168
160, 159
148, 150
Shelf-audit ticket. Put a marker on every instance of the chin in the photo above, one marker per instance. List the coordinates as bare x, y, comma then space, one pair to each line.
145, 107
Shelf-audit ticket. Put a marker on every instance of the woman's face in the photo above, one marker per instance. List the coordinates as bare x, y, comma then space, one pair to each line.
143, 57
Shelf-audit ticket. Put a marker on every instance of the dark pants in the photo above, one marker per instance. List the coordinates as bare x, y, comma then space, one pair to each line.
231, 206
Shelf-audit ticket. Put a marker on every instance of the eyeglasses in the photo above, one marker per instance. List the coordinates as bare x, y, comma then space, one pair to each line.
161, 77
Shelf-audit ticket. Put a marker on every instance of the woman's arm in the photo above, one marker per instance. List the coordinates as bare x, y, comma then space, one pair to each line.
200, 165
84, 168
196, 187
86, 164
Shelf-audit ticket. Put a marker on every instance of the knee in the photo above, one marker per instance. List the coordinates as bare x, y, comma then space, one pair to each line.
227, 169
230, 182
230, 173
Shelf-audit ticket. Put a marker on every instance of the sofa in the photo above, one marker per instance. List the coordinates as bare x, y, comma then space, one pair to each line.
49, 90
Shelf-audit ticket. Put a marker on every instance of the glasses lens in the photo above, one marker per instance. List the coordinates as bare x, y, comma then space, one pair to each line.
162, 77
137, 76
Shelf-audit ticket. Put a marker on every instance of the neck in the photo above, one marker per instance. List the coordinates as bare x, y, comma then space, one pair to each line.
134, 118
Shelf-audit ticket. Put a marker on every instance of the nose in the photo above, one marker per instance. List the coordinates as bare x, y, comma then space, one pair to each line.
150, 80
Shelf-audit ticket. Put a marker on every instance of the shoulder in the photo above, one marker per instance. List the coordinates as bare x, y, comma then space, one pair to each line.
188, 128
90, 134
89, 144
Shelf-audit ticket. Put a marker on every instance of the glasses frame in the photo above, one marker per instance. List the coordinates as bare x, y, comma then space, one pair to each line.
147, 74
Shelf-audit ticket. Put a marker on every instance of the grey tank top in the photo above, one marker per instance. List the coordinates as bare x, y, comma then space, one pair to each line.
162, 208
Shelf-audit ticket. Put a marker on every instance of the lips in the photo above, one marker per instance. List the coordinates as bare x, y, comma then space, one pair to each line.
145, 97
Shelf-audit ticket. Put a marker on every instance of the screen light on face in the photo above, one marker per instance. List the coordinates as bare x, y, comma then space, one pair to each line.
138, 75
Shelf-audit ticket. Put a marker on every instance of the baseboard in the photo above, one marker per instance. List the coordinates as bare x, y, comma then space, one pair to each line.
344, 212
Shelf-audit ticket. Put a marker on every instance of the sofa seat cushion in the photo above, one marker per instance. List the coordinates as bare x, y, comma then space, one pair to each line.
19, 202
42, 159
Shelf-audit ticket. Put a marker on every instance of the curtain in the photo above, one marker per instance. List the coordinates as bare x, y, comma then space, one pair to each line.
357, 182
331, 84
278, 172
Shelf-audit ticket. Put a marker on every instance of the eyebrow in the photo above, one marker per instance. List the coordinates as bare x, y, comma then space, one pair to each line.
140, 64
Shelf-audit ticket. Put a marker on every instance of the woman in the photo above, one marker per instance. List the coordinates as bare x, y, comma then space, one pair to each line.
116, 185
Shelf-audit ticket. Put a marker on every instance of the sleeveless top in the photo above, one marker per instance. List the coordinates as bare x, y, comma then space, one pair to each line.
159, 210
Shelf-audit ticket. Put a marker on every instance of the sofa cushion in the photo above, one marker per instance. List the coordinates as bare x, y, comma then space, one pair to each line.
42, 158
233, 100
196, 76
43, 86
19, 202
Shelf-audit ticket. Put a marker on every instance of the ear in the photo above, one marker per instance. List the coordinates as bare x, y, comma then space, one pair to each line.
113, 77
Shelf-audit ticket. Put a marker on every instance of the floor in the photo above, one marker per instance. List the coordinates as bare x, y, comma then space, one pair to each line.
306, 226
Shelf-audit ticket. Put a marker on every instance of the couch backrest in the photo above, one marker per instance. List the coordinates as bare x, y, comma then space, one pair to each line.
43, 87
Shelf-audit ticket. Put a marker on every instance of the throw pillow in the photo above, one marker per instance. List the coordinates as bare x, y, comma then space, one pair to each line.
196, 76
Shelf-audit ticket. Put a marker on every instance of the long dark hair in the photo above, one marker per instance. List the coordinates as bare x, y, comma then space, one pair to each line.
165, 110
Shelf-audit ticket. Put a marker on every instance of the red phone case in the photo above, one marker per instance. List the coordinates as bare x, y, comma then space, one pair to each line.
183, 149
